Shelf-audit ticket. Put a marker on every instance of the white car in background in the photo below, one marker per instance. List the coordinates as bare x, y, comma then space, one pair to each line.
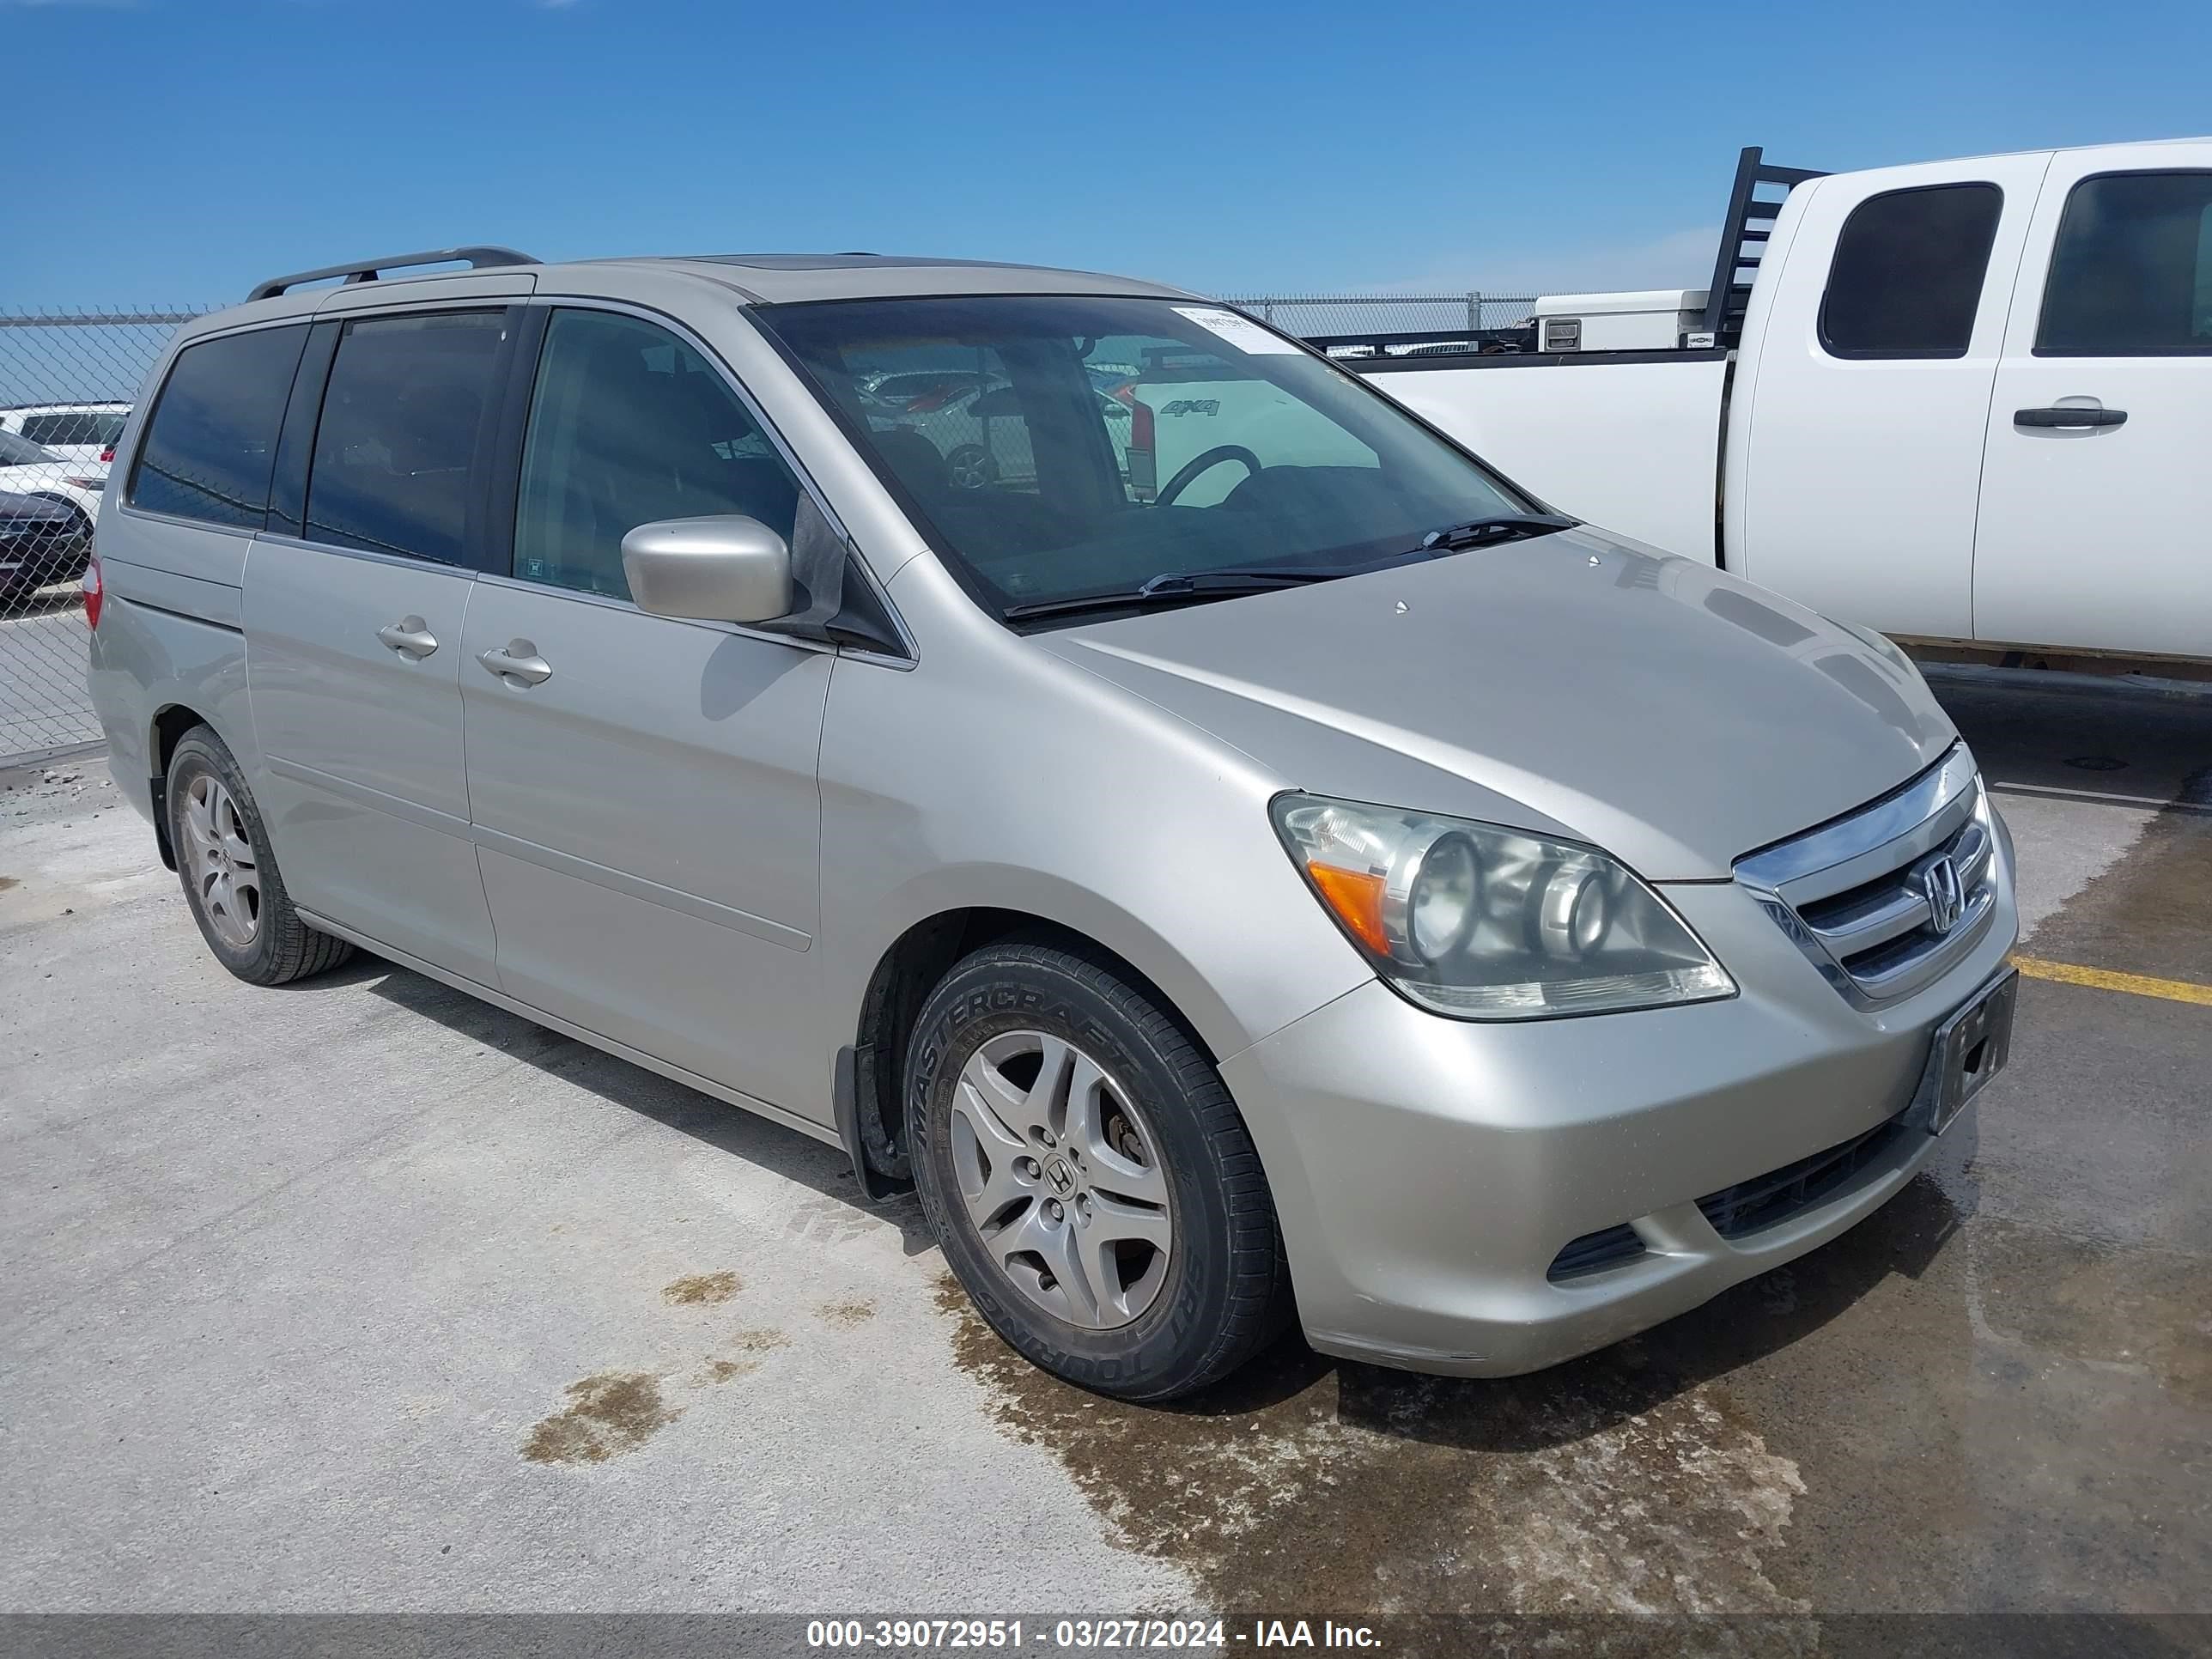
73, 432
30, 468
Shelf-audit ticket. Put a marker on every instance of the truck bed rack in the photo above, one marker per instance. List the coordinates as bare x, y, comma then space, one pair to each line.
367, 270
1744, 232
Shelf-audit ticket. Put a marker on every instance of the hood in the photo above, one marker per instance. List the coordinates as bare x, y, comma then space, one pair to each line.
1654, 707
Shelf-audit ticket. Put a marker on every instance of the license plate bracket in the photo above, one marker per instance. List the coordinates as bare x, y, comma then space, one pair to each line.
1971, 1048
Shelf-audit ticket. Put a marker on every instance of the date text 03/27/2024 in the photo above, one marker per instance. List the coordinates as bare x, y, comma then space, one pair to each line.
1124, 1634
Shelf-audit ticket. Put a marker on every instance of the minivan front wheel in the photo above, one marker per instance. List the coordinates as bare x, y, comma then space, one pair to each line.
230, 877
1088, 1176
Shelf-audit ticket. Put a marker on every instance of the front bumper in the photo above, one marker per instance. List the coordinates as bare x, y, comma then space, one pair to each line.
1427, 1172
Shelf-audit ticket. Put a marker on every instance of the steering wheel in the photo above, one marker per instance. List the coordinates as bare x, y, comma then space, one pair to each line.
1198, 464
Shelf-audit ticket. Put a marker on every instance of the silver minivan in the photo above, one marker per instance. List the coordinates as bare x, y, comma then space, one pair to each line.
1258, 865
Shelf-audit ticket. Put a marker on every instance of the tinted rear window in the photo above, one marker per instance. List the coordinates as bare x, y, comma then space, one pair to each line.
394, 451
212, 440
2131, 275
84, 426
1907, 276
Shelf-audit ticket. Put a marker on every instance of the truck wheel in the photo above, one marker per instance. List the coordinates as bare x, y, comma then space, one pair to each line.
230, 876
1088, 1176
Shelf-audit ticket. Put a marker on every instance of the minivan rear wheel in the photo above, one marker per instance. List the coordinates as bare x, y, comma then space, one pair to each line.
1088, 1176
229, 874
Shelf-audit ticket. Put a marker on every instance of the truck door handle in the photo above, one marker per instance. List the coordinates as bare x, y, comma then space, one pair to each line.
2083, 417
517, 662
410, 636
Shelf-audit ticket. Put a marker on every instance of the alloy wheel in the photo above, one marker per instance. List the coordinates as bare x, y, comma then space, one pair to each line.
1061, 1180
219, 856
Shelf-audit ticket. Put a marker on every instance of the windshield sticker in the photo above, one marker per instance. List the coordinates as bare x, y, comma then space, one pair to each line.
1242, 332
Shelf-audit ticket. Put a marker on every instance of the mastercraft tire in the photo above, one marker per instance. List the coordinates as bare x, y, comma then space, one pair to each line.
229, 874
1088, 1176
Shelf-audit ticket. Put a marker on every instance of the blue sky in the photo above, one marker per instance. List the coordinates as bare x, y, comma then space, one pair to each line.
174, 151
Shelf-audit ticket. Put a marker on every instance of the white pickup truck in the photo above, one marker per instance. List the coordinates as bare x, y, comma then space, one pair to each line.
1959, 402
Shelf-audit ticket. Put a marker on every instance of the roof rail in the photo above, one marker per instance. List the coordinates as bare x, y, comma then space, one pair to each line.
367, 270
1727, 299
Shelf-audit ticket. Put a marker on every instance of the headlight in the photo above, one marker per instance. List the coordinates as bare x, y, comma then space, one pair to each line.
1482, 922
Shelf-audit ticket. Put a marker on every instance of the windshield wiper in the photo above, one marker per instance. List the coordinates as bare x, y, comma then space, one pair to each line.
1181, 588
1499, 527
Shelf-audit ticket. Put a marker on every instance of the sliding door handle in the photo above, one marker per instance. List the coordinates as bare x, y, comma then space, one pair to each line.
518, 663
2069, 417
410, 636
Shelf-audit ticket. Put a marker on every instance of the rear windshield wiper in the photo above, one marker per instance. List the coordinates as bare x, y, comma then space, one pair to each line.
1180, 588
1499, 527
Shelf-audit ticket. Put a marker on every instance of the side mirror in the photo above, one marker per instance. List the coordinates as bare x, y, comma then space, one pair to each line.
728, 568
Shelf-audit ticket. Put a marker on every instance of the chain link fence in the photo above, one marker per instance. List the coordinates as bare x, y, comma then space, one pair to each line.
1334, 316
66, 380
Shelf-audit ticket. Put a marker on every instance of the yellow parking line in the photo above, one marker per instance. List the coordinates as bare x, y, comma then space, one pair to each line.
2103, 979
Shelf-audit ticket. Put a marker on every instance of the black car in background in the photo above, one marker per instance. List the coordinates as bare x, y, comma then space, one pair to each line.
41, 542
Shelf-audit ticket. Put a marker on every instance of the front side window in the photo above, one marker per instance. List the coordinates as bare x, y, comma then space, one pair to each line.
1079, 445
21, 452
211, 443
628, 425
395, 451
2131, 273
1907, 276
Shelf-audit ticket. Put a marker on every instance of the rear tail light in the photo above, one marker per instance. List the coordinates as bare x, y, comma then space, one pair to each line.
93, 592
107, 453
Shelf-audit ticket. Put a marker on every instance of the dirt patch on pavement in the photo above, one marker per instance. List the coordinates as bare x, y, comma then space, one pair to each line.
750, 1343
608, 1414
701, 1289
845, 1315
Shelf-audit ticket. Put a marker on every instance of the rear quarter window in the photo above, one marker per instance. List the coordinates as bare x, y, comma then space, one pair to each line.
211, 443
1907, 279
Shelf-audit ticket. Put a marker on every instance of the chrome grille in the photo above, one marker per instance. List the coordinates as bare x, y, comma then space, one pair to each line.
1885, 900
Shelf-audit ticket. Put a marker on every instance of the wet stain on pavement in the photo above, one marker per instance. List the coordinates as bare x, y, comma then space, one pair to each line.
846, 1315
2135, 1313
608, 1414
701, 1289
1305, 1483
2152, 912
6, 881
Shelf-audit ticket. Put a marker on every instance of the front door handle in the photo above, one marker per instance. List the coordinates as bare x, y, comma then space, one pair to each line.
517, 662
2066, 417
410, 636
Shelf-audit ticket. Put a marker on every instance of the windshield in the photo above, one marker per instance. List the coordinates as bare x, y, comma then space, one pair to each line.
1056, 446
